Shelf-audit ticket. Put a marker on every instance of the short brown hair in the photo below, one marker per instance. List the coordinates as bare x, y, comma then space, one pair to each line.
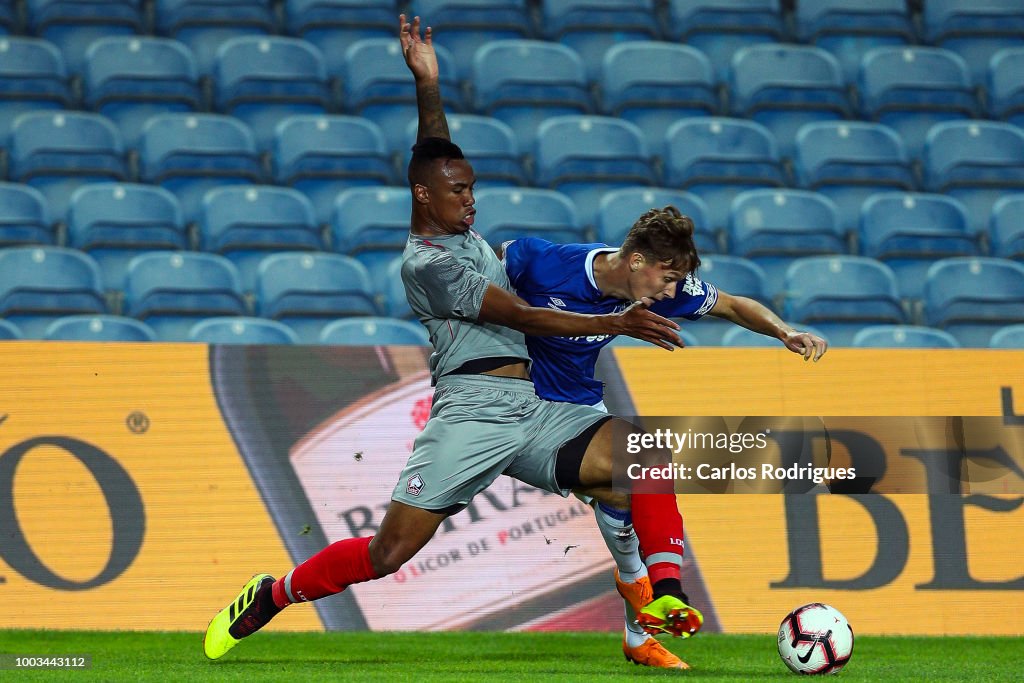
665, 236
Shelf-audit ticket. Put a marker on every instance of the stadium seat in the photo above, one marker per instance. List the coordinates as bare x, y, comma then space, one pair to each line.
1006, 86
735, 275
374, 331
975, 30
774, 227
850, 28
115, 222
377, 85
8, 19
333, 25
132, 78
904, 337
785, 86
488, 143
242, 330
736, 336
263, 79
654, 84
390, 286
189, 154
75, 24
686, 335
246, 222
307, 291
32, 77
323, 155
56, 152
99, 328
591, 27
8, 330
841, 294
971, 298
719, 28
619, 209
717, 158
205, 25
848, 161
1009, 337
173, 290
372, 223
586, 156
909, 231
24, 218
509, 213
1007, 229
910, 89
41, 284
523, 82
976, 162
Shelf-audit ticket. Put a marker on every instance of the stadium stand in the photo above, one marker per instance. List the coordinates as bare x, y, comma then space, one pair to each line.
972, 298
33, 77
242, 330
619, 209
905, 337
507, 213
100, 328
374, 331
24, 216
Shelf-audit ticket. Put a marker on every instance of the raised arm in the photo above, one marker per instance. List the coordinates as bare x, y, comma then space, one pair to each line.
755, 316
422, 62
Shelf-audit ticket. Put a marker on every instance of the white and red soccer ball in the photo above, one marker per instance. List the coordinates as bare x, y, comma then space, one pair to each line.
815, 639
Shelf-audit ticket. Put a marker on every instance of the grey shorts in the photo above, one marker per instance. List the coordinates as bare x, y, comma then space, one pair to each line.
480, 427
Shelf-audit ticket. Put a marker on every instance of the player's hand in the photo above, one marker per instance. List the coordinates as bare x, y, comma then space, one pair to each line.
808, 345
418, 52
636, 321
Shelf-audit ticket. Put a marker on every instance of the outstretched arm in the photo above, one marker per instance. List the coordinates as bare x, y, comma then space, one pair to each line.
754, 316
422, 62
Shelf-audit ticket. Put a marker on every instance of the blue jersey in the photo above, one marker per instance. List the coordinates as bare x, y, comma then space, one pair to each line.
561, 276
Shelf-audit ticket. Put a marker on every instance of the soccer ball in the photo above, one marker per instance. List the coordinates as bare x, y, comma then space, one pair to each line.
815, 639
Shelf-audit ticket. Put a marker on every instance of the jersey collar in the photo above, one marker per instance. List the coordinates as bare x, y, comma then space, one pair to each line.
588, 265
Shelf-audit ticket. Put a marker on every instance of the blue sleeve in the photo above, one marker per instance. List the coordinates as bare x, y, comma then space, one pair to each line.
520, 259
693, 299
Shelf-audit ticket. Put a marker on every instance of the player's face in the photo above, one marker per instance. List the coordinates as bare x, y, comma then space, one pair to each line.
451, 197
653, 280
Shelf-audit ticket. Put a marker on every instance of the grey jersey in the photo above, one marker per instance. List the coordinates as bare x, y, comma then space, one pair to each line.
445, 279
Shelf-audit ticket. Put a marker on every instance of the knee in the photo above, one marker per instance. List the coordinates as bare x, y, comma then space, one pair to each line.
388, 555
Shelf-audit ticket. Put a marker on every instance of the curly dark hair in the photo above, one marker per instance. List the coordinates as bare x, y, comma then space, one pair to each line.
425, 153
665, 236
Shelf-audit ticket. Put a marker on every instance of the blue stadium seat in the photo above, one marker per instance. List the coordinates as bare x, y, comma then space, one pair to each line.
32, 77
850, 28
75, 24
333, 25
654, 84
24, 218
374, 331
909, 231
774, 227
115, 222
976, 30
130, 79
523, 82
848, 161
263, 79
246, 222
173, 290
904, 337
1009, 337
464, 26
591, 27
911, 89
785, 86
717, 158
686, 335
619, 210
372, 223
56, 152
841, 294
586, 156
737, 276
189, 154
242, 330
9, 331
307, 291
40, 284
1007, 229
1006, 86
8, 19
390, 285
736, 336
488, 143
719, 28
99, 328
205, 25
508, 213
377, 85
323, 155
976, 162
971, 298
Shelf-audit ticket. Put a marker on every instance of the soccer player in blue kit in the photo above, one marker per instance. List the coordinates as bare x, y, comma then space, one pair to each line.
657, 260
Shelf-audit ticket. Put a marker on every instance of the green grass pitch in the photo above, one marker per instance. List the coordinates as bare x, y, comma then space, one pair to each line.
530, 657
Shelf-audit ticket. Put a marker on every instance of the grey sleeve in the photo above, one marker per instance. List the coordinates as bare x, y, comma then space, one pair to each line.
452, 290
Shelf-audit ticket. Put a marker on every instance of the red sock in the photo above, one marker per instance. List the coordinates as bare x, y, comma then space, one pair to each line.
659, 528
330, 571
